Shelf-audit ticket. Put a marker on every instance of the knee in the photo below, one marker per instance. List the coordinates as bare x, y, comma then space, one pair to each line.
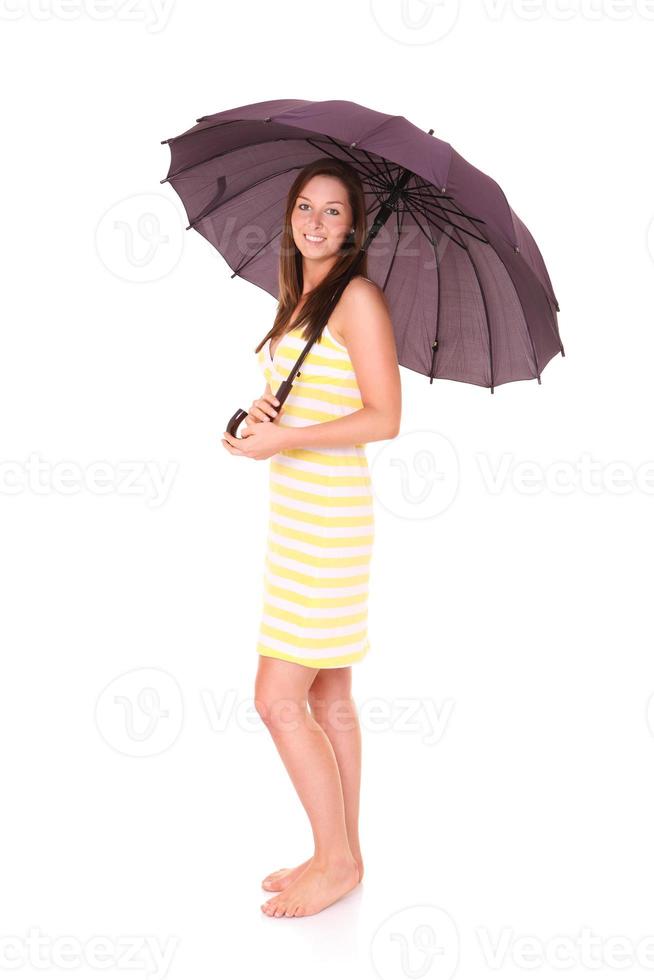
338, 714
279, 712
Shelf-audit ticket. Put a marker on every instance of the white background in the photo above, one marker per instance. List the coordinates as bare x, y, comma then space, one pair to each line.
509, 604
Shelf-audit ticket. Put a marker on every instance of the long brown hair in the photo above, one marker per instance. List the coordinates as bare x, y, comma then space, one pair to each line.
320, 301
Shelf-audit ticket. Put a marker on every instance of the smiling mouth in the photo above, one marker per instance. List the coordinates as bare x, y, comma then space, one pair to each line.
314, 239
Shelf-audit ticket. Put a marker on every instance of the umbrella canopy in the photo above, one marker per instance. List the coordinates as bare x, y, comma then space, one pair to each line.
468, 291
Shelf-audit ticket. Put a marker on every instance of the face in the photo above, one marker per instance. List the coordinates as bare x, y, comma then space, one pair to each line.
322, 212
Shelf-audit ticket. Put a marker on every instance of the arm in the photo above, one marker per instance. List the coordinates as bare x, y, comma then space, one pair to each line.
367, 332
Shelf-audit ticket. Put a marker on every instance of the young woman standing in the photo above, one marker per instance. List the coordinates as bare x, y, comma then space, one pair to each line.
314, 620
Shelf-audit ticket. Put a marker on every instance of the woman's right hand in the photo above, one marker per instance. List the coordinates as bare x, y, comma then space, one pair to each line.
263, 409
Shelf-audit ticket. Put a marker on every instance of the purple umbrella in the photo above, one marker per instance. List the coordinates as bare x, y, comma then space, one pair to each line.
468, 292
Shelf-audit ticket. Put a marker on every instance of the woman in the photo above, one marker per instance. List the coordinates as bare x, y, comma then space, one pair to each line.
314, 624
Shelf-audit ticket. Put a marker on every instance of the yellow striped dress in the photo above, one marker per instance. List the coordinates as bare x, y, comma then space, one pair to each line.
321, 526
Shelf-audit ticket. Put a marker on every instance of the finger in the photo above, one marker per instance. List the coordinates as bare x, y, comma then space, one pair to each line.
259, 415
234, 452
232, 443
266, 407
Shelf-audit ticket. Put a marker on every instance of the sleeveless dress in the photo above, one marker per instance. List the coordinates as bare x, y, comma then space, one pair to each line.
321, 520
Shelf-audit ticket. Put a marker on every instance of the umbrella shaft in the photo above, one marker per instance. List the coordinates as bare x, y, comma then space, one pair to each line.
387, 207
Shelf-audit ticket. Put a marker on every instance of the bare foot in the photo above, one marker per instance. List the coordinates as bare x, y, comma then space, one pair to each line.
279, 880
314, 889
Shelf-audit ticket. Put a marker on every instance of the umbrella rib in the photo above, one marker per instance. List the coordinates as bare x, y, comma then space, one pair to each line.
429, 216
438, 196
228, 200
433, 203
414, 204
428, 237
423, 210
374, 175
384, 162
486, 315
434, 346
250, 258
193, 131
434, 200
400, 219
531, 339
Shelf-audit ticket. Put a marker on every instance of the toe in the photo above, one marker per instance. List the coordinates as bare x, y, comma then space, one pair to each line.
276, 874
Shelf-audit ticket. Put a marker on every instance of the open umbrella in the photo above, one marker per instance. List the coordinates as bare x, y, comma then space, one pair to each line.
468, 291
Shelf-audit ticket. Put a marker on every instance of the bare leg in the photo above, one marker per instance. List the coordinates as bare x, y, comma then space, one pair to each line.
333, 708
330, 698
281, 700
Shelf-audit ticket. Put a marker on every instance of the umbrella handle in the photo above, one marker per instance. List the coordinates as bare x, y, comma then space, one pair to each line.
235, 421
239, 414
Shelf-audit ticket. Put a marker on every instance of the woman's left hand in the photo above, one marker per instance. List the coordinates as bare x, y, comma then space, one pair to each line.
259, 440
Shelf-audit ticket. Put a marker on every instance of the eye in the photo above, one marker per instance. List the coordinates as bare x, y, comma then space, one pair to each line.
303, 204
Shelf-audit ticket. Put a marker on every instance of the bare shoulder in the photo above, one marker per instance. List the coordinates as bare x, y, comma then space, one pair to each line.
364, 290
363, 301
